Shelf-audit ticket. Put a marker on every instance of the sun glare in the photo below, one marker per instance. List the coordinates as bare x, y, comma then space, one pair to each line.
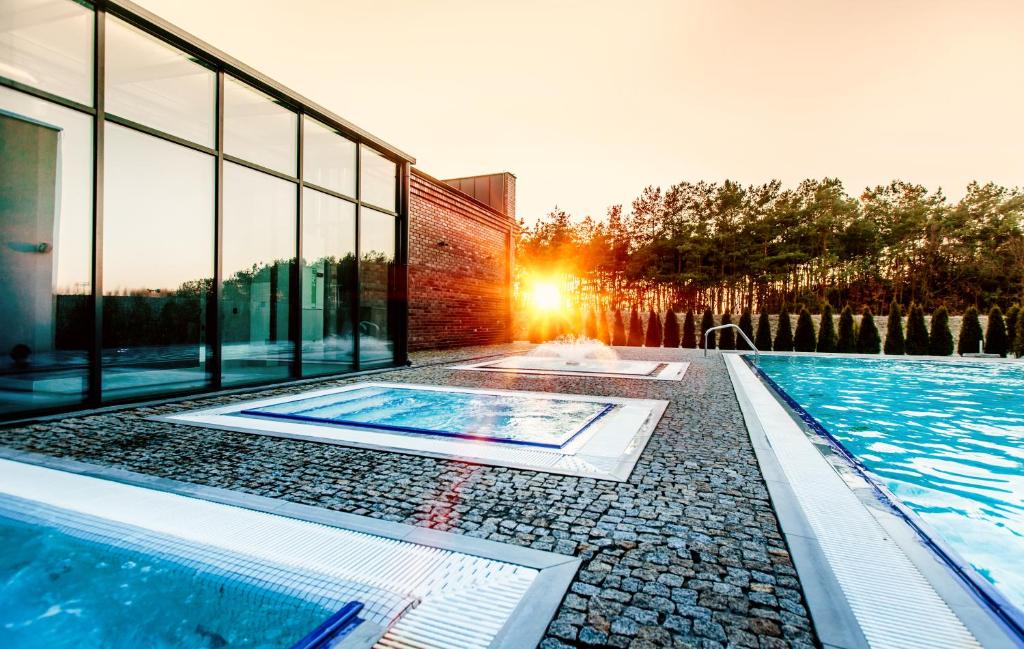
545, 297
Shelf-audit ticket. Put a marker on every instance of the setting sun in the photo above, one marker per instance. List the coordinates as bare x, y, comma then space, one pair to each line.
545, 297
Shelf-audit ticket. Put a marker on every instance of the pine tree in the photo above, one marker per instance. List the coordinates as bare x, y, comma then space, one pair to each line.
917, 331
1011, 327
783, 333
636, 329
996, 339
868, 340
671, 329
895, 344
590, 325
940, 339
747, 327
1018, 338
619, 330
689, 331
970, 333
727, 337
827, 331
763, 341
706, 322
804, 340
653, 336
846, 342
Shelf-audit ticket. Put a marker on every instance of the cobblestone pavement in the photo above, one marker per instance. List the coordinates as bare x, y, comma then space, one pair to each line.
687, 553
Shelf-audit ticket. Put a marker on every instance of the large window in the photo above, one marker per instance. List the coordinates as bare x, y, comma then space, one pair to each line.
45, 253
328, 280
259, 249
151, 238
378, 288
157, 265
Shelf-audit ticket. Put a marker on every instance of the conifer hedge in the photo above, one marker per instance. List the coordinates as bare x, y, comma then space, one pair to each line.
827, 331
917, 331
996, 339
783, 333
970, 333
804, 340
868, 340
619, 330
1018, 338
1012, 314
746, 326
940, 339
727, 337
653, 336
671, 336
689, 339
706, 322
636, 330
895, 344
763, 340
846, 341
590, 325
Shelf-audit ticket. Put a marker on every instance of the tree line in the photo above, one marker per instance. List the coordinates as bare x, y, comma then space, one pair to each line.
728, 247
1003, 336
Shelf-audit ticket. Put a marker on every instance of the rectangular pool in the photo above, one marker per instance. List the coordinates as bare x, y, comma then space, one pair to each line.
596, 367
945, 437
509, 418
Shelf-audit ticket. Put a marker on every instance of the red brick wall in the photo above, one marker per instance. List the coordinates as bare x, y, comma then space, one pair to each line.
459, 268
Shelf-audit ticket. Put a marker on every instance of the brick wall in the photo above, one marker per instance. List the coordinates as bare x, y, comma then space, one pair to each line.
459, 267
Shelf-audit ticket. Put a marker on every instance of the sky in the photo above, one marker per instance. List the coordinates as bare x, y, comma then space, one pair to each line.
589, 102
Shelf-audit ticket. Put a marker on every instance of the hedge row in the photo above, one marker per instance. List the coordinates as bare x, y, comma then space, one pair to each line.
1003, 336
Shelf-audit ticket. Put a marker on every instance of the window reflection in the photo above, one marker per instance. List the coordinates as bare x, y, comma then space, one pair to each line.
329, 160
47, 44
157, 264
328, 277
378, 176
45, 259
258, 129
378, 288
259, 249
152, 83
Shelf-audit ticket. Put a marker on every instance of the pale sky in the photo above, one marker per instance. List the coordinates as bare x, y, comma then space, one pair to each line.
588, 102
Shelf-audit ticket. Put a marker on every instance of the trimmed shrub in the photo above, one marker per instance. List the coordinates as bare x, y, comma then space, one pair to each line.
706, 322
536, 331
804, 340
747, 327
895, 344
917, 331
868, 340
763, 340
590, 324
636, 329
671, 329
996, 339
1011, 328
653, 337
604, 334
1018, 338
846, 341
970, 333
619, 330
689, 339
783, 333
827, 331
940, 339
727, 337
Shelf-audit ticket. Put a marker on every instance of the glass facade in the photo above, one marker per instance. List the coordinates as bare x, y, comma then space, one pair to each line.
186, 226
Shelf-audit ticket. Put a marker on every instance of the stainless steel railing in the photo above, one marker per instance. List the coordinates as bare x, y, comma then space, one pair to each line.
757, 354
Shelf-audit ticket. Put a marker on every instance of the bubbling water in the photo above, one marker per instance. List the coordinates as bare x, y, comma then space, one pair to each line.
575, 349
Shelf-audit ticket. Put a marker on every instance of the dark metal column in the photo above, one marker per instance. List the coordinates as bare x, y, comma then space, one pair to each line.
95, 391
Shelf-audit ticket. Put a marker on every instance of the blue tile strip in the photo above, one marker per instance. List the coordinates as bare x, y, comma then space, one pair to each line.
1009, 615
333, 629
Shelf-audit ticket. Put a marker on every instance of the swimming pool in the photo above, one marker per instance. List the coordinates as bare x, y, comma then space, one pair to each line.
581, 366
944, 437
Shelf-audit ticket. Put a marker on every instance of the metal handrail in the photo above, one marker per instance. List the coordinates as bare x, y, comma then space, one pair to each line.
757, 354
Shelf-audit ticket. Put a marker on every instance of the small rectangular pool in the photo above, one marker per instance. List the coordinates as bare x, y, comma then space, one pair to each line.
583, 435
946, 438
596, 367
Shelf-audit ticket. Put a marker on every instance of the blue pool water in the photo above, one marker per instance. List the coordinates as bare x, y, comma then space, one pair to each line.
59, 590
947, 438
519, 419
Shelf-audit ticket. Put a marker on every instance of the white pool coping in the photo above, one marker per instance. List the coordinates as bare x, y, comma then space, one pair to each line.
868, 577
630, 369
459, 591
607, 450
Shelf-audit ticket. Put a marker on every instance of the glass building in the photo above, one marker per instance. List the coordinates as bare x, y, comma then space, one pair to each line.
173, 222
